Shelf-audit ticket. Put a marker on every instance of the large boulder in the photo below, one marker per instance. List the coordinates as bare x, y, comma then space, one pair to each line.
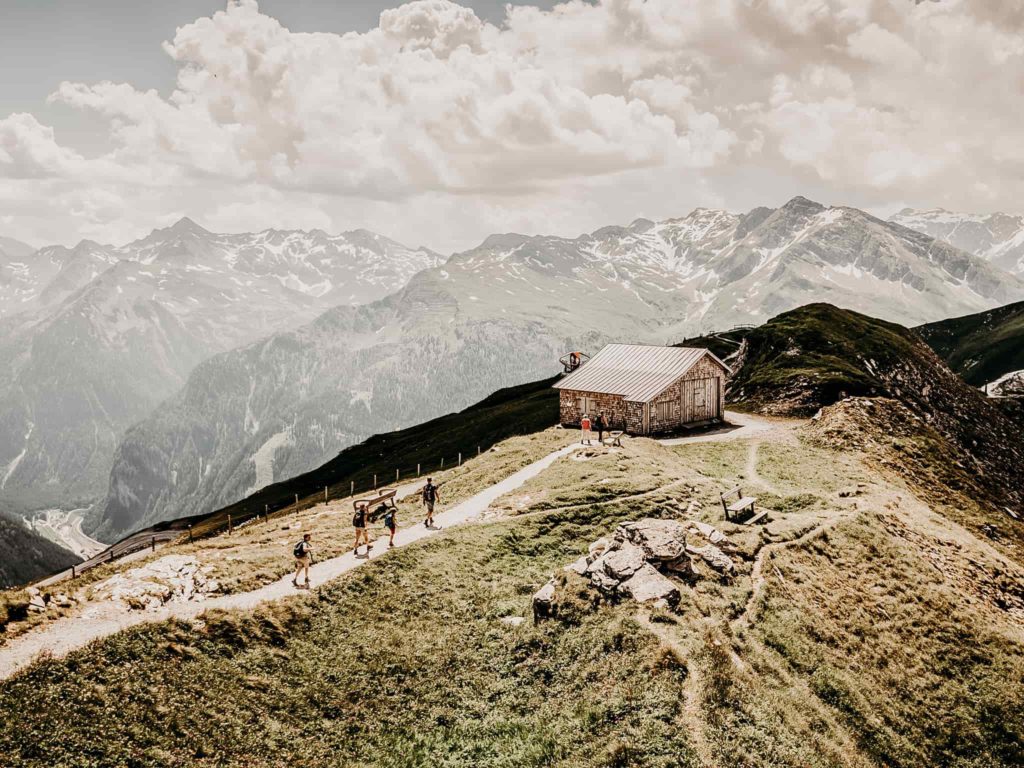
647, 585
623, 562
662, 541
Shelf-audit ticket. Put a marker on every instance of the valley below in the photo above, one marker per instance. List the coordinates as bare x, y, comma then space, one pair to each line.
64, 527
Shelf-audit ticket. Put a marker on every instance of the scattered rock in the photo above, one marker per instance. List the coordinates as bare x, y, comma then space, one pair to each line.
32, 590
36, 604
709, 532
174, 578
713, 556
598, 548
662, 541
579, 566
512, 621
543, 601
647, 585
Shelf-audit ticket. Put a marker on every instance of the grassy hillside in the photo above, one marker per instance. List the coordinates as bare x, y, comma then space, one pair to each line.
26, 556
980, 347
857, 630
815, 355
818, 355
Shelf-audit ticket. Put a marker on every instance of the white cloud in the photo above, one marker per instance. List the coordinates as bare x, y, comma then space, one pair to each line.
436, 125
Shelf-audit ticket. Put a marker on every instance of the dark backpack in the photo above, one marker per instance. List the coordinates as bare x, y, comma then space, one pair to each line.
300, 549
429, 492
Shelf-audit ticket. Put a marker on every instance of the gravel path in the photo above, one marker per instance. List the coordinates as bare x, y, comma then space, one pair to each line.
97, 621
100, 620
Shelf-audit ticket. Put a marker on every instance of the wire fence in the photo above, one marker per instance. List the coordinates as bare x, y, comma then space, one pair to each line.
309, 495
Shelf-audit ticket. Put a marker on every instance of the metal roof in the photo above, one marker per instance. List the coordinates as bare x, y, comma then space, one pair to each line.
637, 372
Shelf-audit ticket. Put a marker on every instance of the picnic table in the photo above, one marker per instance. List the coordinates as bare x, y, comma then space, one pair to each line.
385, 497
741, 507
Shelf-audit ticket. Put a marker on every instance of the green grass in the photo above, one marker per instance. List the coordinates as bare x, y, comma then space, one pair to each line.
886, 639
913, 673
816, 355
980, 347
404, 663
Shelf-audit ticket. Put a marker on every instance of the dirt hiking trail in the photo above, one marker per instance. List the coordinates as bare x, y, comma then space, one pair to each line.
100, 620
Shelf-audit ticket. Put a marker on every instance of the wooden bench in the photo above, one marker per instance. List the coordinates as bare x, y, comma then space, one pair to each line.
741, 506
385, 496
614, 438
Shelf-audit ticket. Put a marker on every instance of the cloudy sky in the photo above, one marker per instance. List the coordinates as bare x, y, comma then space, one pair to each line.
437, 122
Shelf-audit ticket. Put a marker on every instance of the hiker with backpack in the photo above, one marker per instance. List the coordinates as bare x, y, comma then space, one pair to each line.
430, 498
359, 523
601, 427
390, 521
585, 430
303, 558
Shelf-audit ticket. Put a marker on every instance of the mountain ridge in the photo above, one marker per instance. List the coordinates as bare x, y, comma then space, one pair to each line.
451, 329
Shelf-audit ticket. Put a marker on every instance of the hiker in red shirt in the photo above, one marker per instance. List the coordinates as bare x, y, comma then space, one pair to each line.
585, 430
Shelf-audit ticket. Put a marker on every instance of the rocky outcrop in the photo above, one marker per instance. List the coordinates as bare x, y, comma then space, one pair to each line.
642, 561
171, 579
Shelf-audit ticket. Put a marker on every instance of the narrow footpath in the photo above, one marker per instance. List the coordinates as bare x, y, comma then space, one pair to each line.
97, 621
69, 634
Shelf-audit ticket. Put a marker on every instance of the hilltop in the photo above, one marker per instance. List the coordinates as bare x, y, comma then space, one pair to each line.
877, 618
819, 355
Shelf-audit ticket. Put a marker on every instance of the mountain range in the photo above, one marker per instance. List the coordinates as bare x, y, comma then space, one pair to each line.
93, 337
996, 237
501, 314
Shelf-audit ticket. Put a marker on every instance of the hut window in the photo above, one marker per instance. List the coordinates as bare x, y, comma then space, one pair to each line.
664, 410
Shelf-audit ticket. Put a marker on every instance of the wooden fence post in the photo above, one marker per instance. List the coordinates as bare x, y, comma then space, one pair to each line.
478, 450
375, 482
396, 475
190, 533
111, 555
230, 529
417, 470
296, 502
325, 495
352, 488
460, 458
72, 571
442, 463
153, 543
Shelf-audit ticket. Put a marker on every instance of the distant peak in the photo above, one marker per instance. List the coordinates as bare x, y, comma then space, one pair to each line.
185, 224
802, 203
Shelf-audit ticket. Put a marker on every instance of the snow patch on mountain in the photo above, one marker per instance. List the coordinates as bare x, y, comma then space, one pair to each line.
997, 237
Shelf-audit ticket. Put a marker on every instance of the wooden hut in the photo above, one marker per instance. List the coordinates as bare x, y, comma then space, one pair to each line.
646, 390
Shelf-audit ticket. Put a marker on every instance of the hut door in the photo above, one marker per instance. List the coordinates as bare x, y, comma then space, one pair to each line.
700, 400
